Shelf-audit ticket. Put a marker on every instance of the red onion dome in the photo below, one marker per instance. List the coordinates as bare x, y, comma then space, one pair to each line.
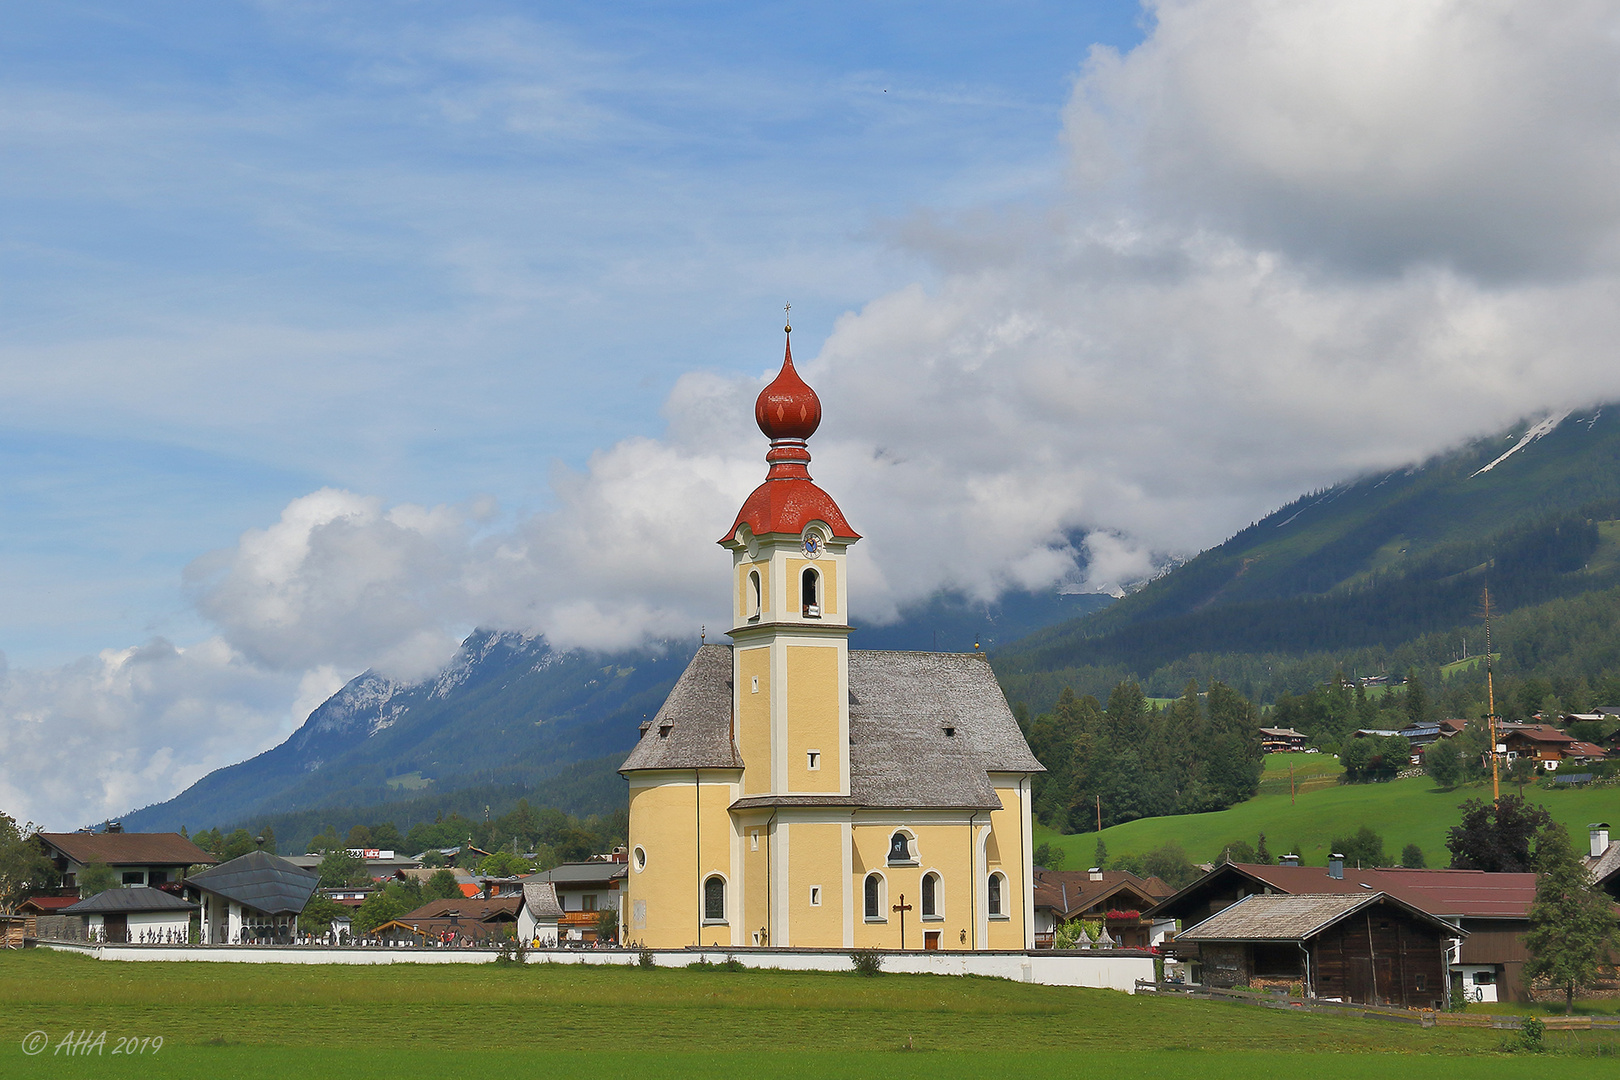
788, 408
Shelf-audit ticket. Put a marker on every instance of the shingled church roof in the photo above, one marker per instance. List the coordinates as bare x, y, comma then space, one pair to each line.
926, 729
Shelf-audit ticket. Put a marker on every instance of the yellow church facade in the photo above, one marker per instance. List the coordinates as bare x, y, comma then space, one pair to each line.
793, 792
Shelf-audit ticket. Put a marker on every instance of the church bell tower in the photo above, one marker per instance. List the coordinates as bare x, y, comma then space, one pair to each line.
790, 610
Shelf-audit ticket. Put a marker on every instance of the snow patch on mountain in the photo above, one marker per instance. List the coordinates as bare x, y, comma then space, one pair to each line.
1544, 427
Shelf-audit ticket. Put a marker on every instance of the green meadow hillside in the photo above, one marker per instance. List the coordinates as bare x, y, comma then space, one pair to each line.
1410, 811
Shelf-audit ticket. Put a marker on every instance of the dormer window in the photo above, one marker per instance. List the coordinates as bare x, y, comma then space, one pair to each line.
810, 592
754, 605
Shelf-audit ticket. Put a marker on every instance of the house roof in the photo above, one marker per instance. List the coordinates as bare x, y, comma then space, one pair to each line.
1606, 865
1585, 749
581, 873
1542, 733
261, 881
142, 898
128, 849
1296, 917
1069, 892
926, 729
468, 909
1283, 733
540, 900
46, 905
1472, 894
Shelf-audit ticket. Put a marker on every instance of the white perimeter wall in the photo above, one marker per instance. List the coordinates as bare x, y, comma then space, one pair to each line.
1102, 970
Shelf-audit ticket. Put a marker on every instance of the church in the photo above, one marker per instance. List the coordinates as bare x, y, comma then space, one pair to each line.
794, 792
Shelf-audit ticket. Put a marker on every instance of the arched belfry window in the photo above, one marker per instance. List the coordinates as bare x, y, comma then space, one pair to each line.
810, 592
714, 899
900, 848
753, 595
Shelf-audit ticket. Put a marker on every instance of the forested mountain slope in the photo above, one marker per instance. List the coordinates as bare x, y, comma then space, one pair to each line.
1371, 563
508, 712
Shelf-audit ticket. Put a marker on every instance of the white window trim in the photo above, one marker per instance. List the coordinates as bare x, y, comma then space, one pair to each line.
815, 896
812, 760
914, 858
725, 900
638, 858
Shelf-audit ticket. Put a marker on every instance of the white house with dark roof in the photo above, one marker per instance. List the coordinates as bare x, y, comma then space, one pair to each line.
139, 914
794, 792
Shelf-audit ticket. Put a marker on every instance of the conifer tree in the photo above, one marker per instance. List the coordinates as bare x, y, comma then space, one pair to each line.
1571, 923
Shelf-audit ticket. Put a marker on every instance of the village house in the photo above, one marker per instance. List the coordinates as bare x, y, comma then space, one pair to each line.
583, 890
1602, 860
793, 792
1370, 948
1281, 740
1115, 898
380, 864
139, 914
252, 899
540, 915
153, 859
1485, 961
471, 920
1547, 746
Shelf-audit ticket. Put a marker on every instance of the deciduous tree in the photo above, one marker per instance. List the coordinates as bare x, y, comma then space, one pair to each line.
1496, 836
24, 869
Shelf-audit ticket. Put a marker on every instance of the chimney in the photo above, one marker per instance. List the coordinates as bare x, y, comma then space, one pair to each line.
115, 826
1336, 866
1288, 860
1599, 832
1096, 873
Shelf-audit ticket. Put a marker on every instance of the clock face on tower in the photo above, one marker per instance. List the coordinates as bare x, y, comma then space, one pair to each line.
812, 545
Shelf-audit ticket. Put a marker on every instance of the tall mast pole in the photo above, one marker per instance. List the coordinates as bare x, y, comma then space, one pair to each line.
1490, 693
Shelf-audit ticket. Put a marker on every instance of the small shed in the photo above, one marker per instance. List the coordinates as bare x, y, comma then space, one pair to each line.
1373, 949
539, 914
140, 915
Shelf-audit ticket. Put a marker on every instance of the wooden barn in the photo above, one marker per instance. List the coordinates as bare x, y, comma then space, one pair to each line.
1372, 949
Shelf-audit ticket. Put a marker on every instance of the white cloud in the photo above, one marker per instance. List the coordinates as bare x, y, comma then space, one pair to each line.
1479, 134
1302, 241
113, 732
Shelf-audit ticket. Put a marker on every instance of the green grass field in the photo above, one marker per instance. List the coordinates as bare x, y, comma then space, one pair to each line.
228, 1020
1412, 811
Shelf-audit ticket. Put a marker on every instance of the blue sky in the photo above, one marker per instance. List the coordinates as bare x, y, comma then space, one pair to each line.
424, 250
330, 331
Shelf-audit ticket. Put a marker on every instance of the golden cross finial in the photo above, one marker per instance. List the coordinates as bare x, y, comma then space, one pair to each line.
788, 309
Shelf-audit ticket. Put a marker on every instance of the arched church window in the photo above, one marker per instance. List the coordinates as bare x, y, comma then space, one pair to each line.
810, 593
900, 848
753, 595
714, 899
874, 896
993, 893
930, 896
